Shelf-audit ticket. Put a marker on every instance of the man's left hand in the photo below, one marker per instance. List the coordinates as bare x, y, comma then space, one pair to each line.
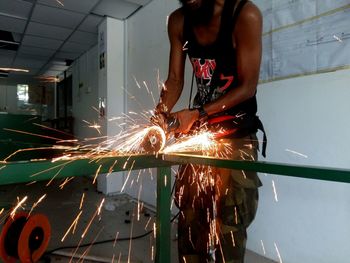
186, 119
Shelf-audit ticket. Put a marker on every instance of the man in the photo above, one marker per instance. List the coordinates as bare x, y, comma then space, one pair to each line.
223, 41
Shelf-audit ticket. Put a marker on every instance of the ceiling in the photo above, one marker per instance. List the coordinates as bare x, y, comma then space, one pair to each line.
45, 36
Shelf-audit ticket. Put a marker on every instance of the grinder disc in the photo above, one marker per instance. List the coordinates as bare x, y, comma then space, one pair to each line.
154, 140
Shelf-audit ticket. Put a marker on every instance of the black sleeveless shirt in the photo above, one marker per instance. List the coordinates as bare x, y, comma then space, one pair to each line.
215, 65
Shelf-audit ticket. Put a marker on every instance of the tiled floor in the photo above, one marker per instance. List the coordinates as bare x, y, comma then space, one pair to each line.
119, 218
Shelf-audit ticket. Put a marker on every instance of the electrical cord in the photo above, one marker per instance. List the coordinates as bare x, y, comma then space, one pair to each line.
99, 242
106, 241
111, 240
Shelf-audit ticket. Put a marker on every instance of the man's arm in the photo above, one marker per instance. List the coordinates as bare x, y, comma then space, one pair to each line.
248, 40
174, 84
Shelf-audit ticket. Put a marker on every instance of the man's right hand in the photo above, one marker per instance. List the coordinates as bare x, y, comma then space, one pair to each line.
161, 108
160, 116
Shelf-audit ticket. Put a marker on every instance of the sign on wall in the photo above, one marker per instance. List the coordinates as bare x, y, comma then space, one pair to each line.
304, 37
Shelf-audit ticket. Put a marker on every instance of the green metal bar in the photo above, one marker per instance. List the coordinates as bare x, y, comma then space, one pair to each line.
310, 172
21, 172
29, 171
163, 215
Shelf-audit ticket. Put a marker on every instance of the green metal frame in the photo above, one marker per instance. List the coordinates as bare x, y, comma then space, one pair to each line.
26, 171
302, 171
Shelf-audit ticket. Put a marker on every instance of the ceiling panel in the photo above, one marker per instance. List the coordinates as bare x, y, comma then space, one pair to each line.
115, 8
12, 24
17, 37
28, 63
55, 16
82, 6
42, 30
59, 68
6, 58
90, 23
5, 52
22, 75
35, 41
139, 2
83, 38
15, 8
36, 51
74, 47
67, 55
49, 73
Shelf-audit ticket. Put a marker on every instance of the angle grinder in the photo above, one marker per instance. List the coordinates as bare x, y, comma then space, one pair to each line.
156, 135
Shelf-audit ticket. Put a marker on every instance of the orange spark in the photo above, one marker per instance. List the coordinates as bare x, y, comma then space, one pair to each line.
149, 220
33, 134
274, 190
81, 201
66, 181
97, 173
36, 204
278, 253
97, 212
75, 222
115, 239
12, 214
127, 178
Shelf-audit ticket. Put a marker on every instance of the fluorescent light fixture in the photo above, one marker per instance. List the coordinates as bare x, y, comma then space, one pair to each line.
15, 69
9, 42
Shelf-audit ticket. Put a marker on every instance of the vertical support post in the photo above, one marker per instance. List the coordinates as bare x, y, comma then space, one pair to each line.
163, 215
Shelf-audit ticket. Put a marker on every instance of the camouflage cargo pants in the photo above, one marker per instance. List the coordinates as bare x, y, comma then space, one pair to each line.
216, 207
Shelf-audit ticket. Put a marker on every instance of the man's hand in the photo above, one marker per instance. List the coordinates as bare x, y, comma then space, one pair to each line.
161, 108
160, 116
186, 119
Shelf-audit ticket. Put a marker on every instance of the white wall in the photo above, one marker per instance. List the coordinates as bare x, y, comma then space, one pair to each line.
309, 223
85, 96
115, 72
312, 118
111, 78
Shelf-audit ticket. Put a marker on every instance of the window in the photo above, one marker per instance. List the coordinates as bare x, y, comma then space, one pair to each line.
22, 92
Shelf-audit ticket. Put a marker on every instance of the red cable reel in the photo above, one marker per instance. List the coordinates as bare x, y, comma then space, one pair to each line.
24, 238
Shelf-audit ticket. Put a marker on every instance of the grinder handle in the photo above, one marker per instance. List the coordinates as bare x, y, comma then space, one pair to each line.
172, 123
